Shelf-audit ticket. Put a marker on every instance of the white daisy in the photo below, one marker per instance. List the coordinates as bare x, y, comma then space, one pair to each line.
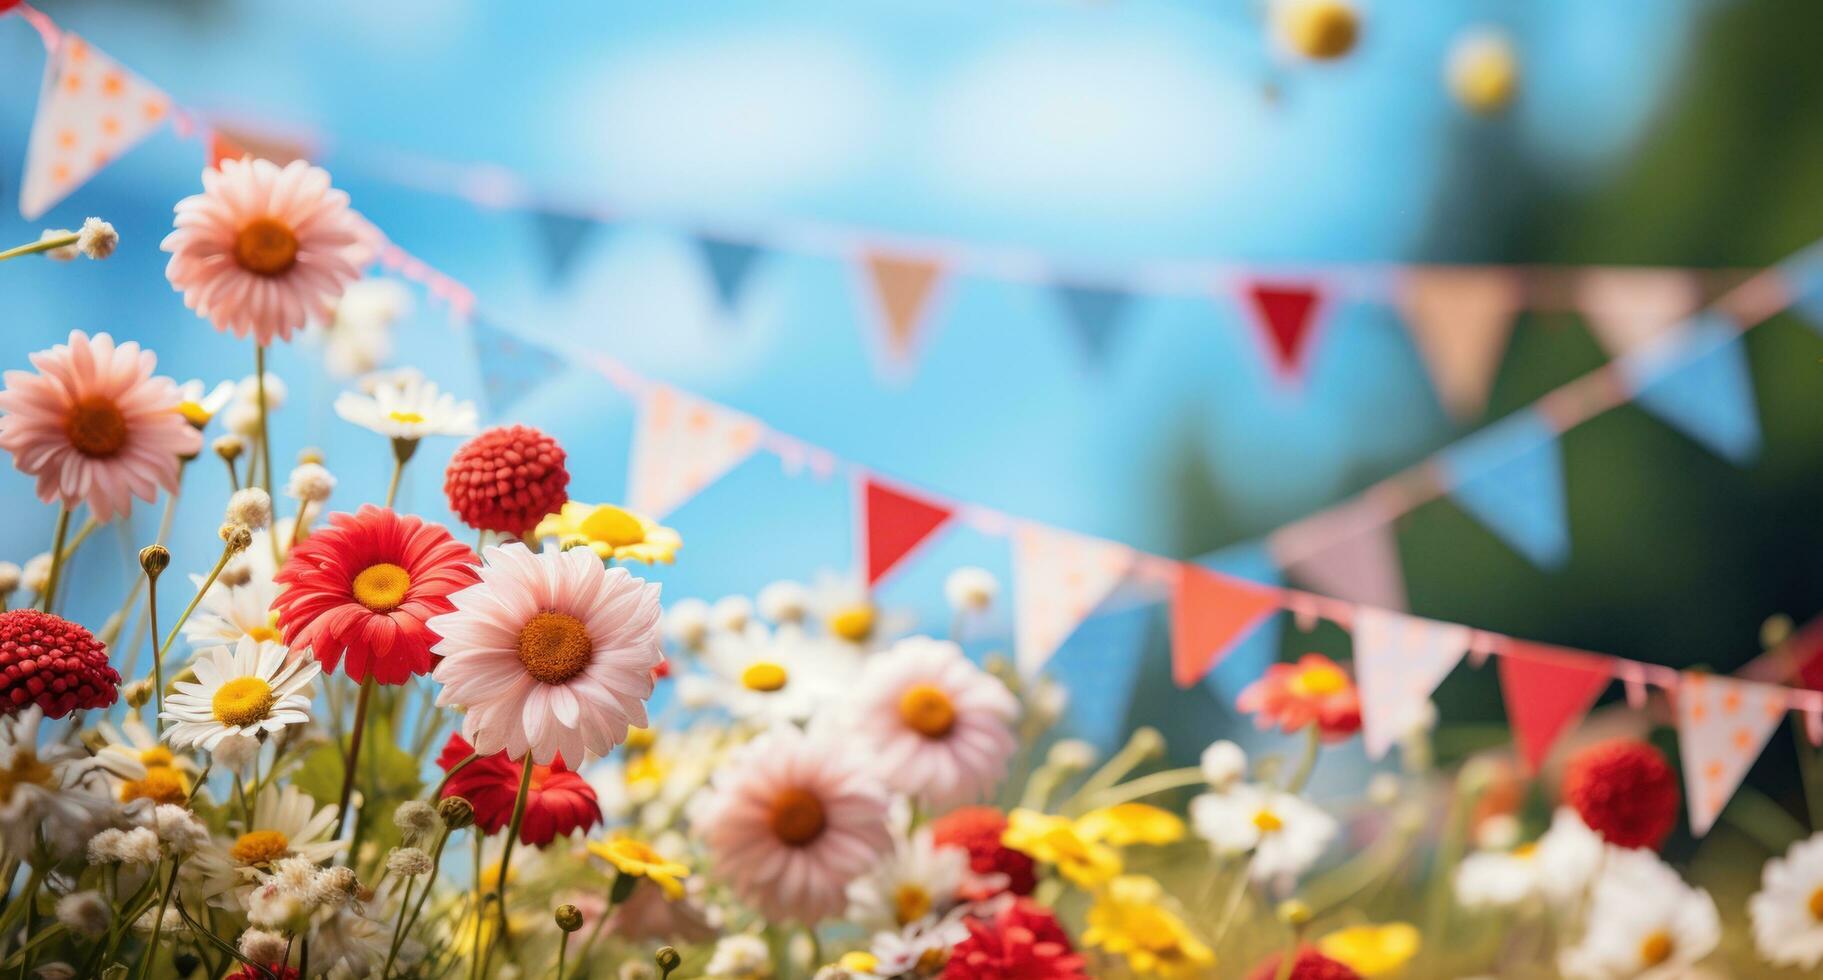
1284, 833
347, 941
760, 675
743, 956
1643, 923
41, 783
410, 410
939, 728
248, 690
919, 950
143, 767
229, 614
916, 880
358, 339
1787, 911
286, 823
848, 613
198, 403
1558, 867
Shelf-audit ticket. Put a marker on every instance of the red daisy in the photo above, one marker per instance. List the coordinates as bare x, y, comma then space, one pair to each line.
977, 830
1624, 790
1313, 691
51, 662
1310, 965
507, 479
1021, 942
558, 804
364, 586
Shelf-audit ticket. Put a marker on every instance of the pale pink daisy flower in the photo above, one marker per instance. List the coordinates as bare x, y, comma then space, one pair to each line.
95, 426
550, 653
938, 727
263, 249
791, 818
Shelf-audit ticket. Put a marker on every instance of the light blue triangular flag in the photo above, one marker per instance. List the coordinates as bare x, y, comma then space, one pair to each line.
511, 367
1098, 666
1803, 275
562, 237
1510, 477
1248, 659
728, 263
1696, 379
1094, 313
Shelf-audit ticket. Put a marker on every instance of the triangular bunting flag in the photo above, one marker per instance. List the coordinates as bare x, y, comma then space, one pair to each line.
1285, 314
1093, 313
90, 111
1547, 691
1803, 278
1210, 614
1248, 657
511, 367
902, 286
1722, 724
1058, 580
1628, 308
894, 522
1696, 379
1348, 553
681, 444
1510, 476
1460, 317
1399, 661
728, 262
562, 237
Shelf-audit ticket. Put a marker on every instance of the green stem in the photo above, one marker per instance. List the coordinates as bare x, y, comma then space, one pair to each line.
42, 245
437, 793
265, 447
402, 450
563, 949
50, 582
164, 649
406, 922
1313, 741
506, 854
1138, 747
1158, 782
158, 660
158, 921
234, 477
354, 758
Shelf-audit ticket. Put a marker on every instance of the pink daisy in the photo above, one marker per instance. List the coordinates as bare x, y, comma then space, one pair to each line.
791, 818
95, 426
551, 653
937, 726
262, 249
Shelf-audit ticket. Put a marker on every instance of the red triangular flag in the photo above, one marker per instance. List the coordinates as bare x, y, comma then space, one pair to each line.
895, 522
1285, 314
902, 286
1210, 614
1547, 690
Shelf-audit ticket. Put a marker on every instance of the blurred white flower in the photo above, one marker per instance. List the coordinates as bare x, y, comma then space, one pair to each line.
1284, 833
408, 411
1223, 763
1643, 923
1787, 911
971, 589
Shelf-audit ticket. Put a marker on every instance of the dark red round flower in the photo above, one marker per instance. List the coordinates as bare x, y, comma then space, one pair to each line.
364, 587
1310, 965
1624, 790
507, 479
51, 662
977, 830
1021, 942
558, 804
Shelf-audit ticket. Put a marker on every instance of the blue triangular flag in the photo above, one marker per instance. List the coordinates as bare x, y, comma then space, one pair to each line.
1803, 275
562, 236
728, 263
1696, 379
1094, 312
1248, 659
1098, 666
1510, 477
511, 368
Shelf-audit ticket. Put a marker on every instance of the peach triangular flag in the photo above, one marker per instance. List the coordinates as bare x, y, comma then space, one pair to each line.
1399, 661
1058, 580
1722, 724
1627, 307
681, 444
901, 286
1460, 318
90, 111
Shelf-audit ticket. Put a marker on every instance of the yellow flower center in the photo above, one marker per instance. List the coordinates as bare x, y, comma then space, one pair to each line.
925, 709
1268, 822
1656, 948
260, 847
266, 247
1319, 680
645, 768
263, 634
639, 739
194, 413
406, 418
612, 526
910, 903
96, 427
1527, 851
859, 961
1323, 30
381, 587
853, 623
932, 961
242, 701
797, 817
25, 771
156, 756
765, 676
555, 647
163, 784
1816, 905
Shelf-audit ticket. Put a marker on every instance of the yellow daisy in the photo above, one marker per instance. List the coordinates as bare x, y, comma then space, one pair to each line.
1372, 951
610, 532
1129, 919
639, 860
1126, 824
1059, 841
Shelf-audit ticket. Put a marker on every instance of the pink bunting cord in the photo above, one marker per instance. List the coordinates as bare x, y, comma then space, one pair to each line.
47, 30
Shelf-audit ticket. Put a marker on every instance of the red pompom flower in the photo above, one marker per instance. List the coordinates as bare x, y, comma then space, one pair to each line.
977, 830
1624, 790
1310, 965
1313, 691
51, 662
364, 586
1021, 942
507, 479
558, 803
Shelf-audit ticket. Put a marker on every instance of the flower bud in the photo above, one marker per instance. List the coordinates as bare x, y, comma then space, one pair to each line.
1294, 913
229, 447
154, 559
456, 812
1148, 742
667, 959
569, 918
238, 536
97, 239
309, 455
138, 693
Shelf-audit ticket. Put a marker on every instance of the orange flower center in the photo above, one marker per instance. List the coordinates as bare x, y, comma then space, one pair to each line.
1816, 905
925, 709
260, 847
1656, 948
797, 817
554, 647
765, 677
1268, 822
242, 701
163, 784
381, 587
854, 623
96, 427
910, 903
266, 247
25, 771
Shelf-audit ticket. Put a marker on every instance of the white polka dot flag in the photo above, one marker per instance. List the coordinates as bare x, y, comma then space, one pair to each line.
1399, 661
1722, 724
681, 444
1058, 580
90, 111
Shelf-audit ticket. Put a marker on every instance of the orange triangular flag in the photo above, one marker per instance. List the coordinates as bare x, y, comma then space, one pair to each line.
1210, 614
902, 286
1722, 724
1460, 318
90, 111
1547, 691
1628, 307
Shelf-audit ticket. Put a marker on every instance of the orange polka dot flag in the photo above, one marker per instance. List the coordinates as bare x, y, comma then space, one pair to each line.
90, 111
1058, 580
1722, 724
681, 445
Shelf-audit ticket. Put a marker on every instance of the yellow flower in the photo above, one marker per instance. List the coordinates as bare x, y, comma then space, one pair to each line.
1321, 30
1129, 919
1372, 951
859, 961
1058, 841
610, 532
1126, 824
632, 857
